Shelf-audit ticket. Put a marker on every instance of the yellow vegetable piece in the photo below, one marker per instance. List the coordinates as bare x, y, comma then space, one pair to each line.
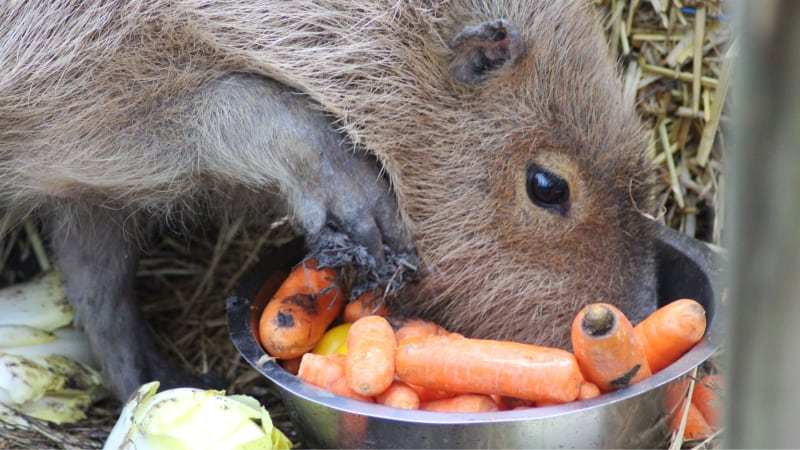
332, 340
341, 350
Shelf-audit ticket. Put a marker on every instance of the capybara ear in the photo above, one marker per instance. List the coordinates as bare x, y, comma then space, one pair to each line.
480, 49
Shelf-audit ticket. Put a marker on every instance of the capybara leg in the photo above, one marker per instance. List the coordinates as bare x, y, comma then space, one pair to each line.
97, 258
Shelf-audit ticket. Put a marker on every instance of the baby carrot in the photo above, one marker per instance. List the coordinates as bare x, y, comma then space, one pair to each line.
707, 399
292, 365
671, 331
371, 349
328, 372
364, 305
588, 390
696, 426
675, 394
428, 394
413, 327
607, 349
459, 364
300, 311
399, 395
466, 403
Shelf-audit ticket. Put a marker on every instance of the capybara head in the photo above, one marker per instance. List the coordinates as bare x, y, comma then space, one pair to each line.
527, 203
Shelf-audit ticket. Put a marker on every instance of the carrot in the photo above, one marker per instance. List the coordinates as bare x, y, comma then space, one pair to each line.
292, 365
459, 364
696, 426
399, 395
675, 393
671, 331
467, 403
328, 372
428, 394
413, 327
607, 348
300, 311
588, 390
707, 399
364, 305
541, 404
371, 349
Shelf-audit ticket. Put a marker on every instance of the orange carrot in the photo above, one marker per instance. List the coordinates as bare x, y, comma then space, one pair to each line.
675, 393
292, 365
607, 349
541, 404
328, 372
399, 395
413, 327
466, 403
707, 399
459, 364
588, 390
269, 287
371, 349
427, 394
300, 311
671, 331
696, 426
364, 305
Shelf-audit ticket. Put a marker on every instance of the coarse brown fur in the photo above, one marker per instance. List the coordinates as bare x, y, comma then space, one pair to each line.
87, 88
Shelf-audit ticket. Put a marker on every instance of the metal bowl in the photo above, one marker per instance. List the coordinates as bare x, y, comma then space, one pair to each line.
632, 417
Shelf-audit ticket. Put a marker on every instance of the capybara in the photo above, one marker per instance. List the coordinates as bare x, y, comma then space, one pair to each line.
490, 139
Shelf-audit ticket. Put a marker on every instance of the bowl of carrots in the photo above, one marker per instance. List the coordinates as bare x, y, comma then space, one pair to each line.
635, 405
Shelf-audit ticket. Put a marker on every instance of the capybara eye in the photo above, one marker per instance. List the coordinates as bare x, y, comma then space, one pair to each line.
547, 189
